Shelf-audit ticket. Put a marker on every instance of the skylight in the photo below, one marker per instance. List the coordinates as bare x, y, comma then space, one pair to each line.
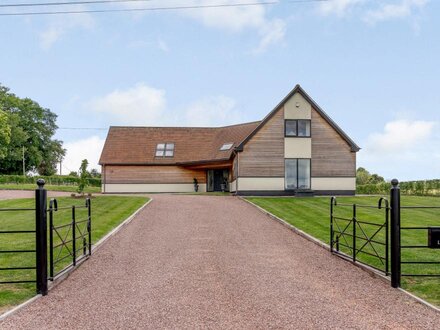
165, 150
226, 146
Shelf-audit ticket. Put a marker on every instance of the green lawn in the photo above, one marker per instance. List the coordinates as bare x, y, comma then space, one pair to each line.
107, 213
312, 215
23, 186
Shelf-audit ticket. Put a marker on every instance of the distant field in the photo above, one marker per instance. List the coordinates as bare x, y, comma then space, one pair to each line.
107, 213
312, 216
28, 186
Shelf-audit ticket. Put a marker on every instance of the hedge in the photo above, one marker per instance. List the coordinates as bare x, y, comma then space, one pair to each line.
418, 188
57, 180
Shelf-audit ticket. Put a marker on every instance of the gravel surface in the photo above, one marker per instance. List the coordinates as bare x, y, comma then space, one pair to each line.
217, 263
12, 194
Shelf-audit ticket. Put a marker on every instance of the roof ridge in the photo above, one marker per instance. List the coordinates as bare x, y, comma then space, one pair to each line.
189, 127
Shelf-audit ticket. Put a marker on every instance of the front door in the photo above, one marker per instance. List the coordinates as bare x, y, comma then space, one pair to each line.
218, 180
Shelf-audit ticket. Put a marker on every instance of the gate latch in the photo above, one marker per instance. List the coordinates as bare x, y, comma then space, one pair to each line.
434, 237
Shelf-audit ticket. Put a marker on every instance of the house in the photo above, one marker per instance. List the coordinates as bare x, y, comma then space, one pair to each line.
297, 148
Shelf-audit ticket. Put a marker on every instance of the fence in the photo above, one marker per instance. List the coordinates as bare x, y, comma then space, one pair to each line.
58, 180
63, 248
357, 236
379, 238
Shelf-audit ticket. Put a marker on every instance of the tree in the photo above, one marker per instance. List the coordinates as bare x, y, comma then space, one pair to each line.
32, 127
362, 176
94, 173
5, 134
73, 173
83, 174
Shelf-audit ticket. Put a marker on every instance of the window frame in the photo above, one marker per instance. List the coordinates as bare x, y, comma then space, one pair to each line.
165, 149
297, 126
297, 174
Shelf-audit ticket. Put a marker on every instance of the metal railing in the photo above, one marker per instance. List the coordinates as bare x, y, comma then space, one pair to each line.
356, 235
74, 230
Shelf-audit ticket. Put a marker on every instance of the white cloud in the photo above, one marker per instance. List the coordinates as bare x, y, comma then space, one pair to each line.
239, 19
337, 7
140, 105
405, 149
213, 111
60, 26
400, 136
385, 10
89, 148
144, 105
388, 11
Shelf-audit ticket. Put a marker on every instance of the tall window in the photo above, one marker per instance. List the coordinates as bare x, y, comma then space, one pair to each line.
297, 173
300, 127
165, 150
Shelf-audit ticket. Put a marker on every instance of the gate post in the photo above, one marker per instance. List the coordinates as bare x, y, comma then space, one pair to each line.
395, 233
41, 237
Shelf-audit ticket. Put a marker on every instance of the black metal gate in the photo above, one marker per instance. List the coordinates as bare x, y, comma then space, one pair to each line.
64, 250
406, 234
358, 239
350, 238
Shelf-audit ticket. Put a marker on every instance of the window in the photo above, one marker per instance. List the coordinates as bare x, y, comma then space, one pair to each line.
165, 150
299, 128
297, 174
226, 146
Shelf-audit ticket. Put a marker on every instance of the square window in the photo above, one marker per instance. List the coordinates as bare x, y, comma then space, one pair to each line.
164, 150
303, 127
290, 129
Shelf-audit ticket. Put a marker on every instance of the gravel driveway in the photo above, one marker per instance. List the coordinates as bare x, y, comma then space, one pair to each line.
12, 194
217, 263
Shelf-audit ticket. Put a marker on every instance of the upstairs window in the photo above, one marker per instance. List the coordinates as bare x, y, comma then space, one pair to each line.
165, 150
300, 127
226, 146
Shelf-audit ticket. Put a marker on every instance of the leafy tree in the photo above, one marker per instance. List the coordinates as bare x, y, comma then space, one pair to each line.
32, 127
83, 174
362, 176
5, 134
73, 173
375, 178
94, 173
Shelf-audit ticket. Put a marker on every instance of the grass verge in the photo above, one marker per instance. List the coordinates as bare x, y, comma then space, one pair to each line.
312, 215
107, 213
73, 189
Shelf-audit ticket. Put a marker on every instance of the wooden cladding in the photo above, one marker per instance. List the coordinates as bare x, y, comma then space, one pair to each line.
263, 154
331, 154
152, 174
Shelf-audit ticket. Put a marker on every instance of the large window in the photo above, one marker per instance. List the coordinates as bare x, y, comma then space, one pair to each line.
297, 174
165, 150
300, 127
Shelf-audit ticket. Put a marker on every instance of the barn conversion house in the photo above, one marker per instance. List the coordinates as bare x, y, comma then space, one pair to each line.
296, 149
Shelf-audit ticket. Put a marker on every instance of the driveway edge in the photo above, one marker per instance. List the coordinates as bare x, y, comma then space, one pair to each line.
312, 239
64, 276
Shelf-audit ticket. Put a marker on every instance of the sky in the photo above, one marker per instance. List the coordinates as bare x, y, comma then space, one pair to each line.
373, 66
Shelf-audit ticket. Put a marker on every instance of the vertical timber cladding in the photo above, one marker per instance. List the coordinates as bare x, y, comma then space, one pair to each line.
261, 163
333, 161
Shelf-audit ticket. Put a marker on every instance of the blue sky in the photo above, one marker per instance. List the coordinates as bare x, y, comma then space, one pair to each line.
373, 66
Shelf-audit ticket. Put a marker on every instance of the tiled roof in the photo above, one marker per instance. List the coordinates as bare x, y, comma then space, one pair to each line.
137, 145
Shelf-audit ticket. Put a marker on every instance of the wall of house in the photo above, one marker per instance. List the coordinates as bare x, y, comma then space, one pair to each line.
263, 154
331, 154
261, 164
151, 179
